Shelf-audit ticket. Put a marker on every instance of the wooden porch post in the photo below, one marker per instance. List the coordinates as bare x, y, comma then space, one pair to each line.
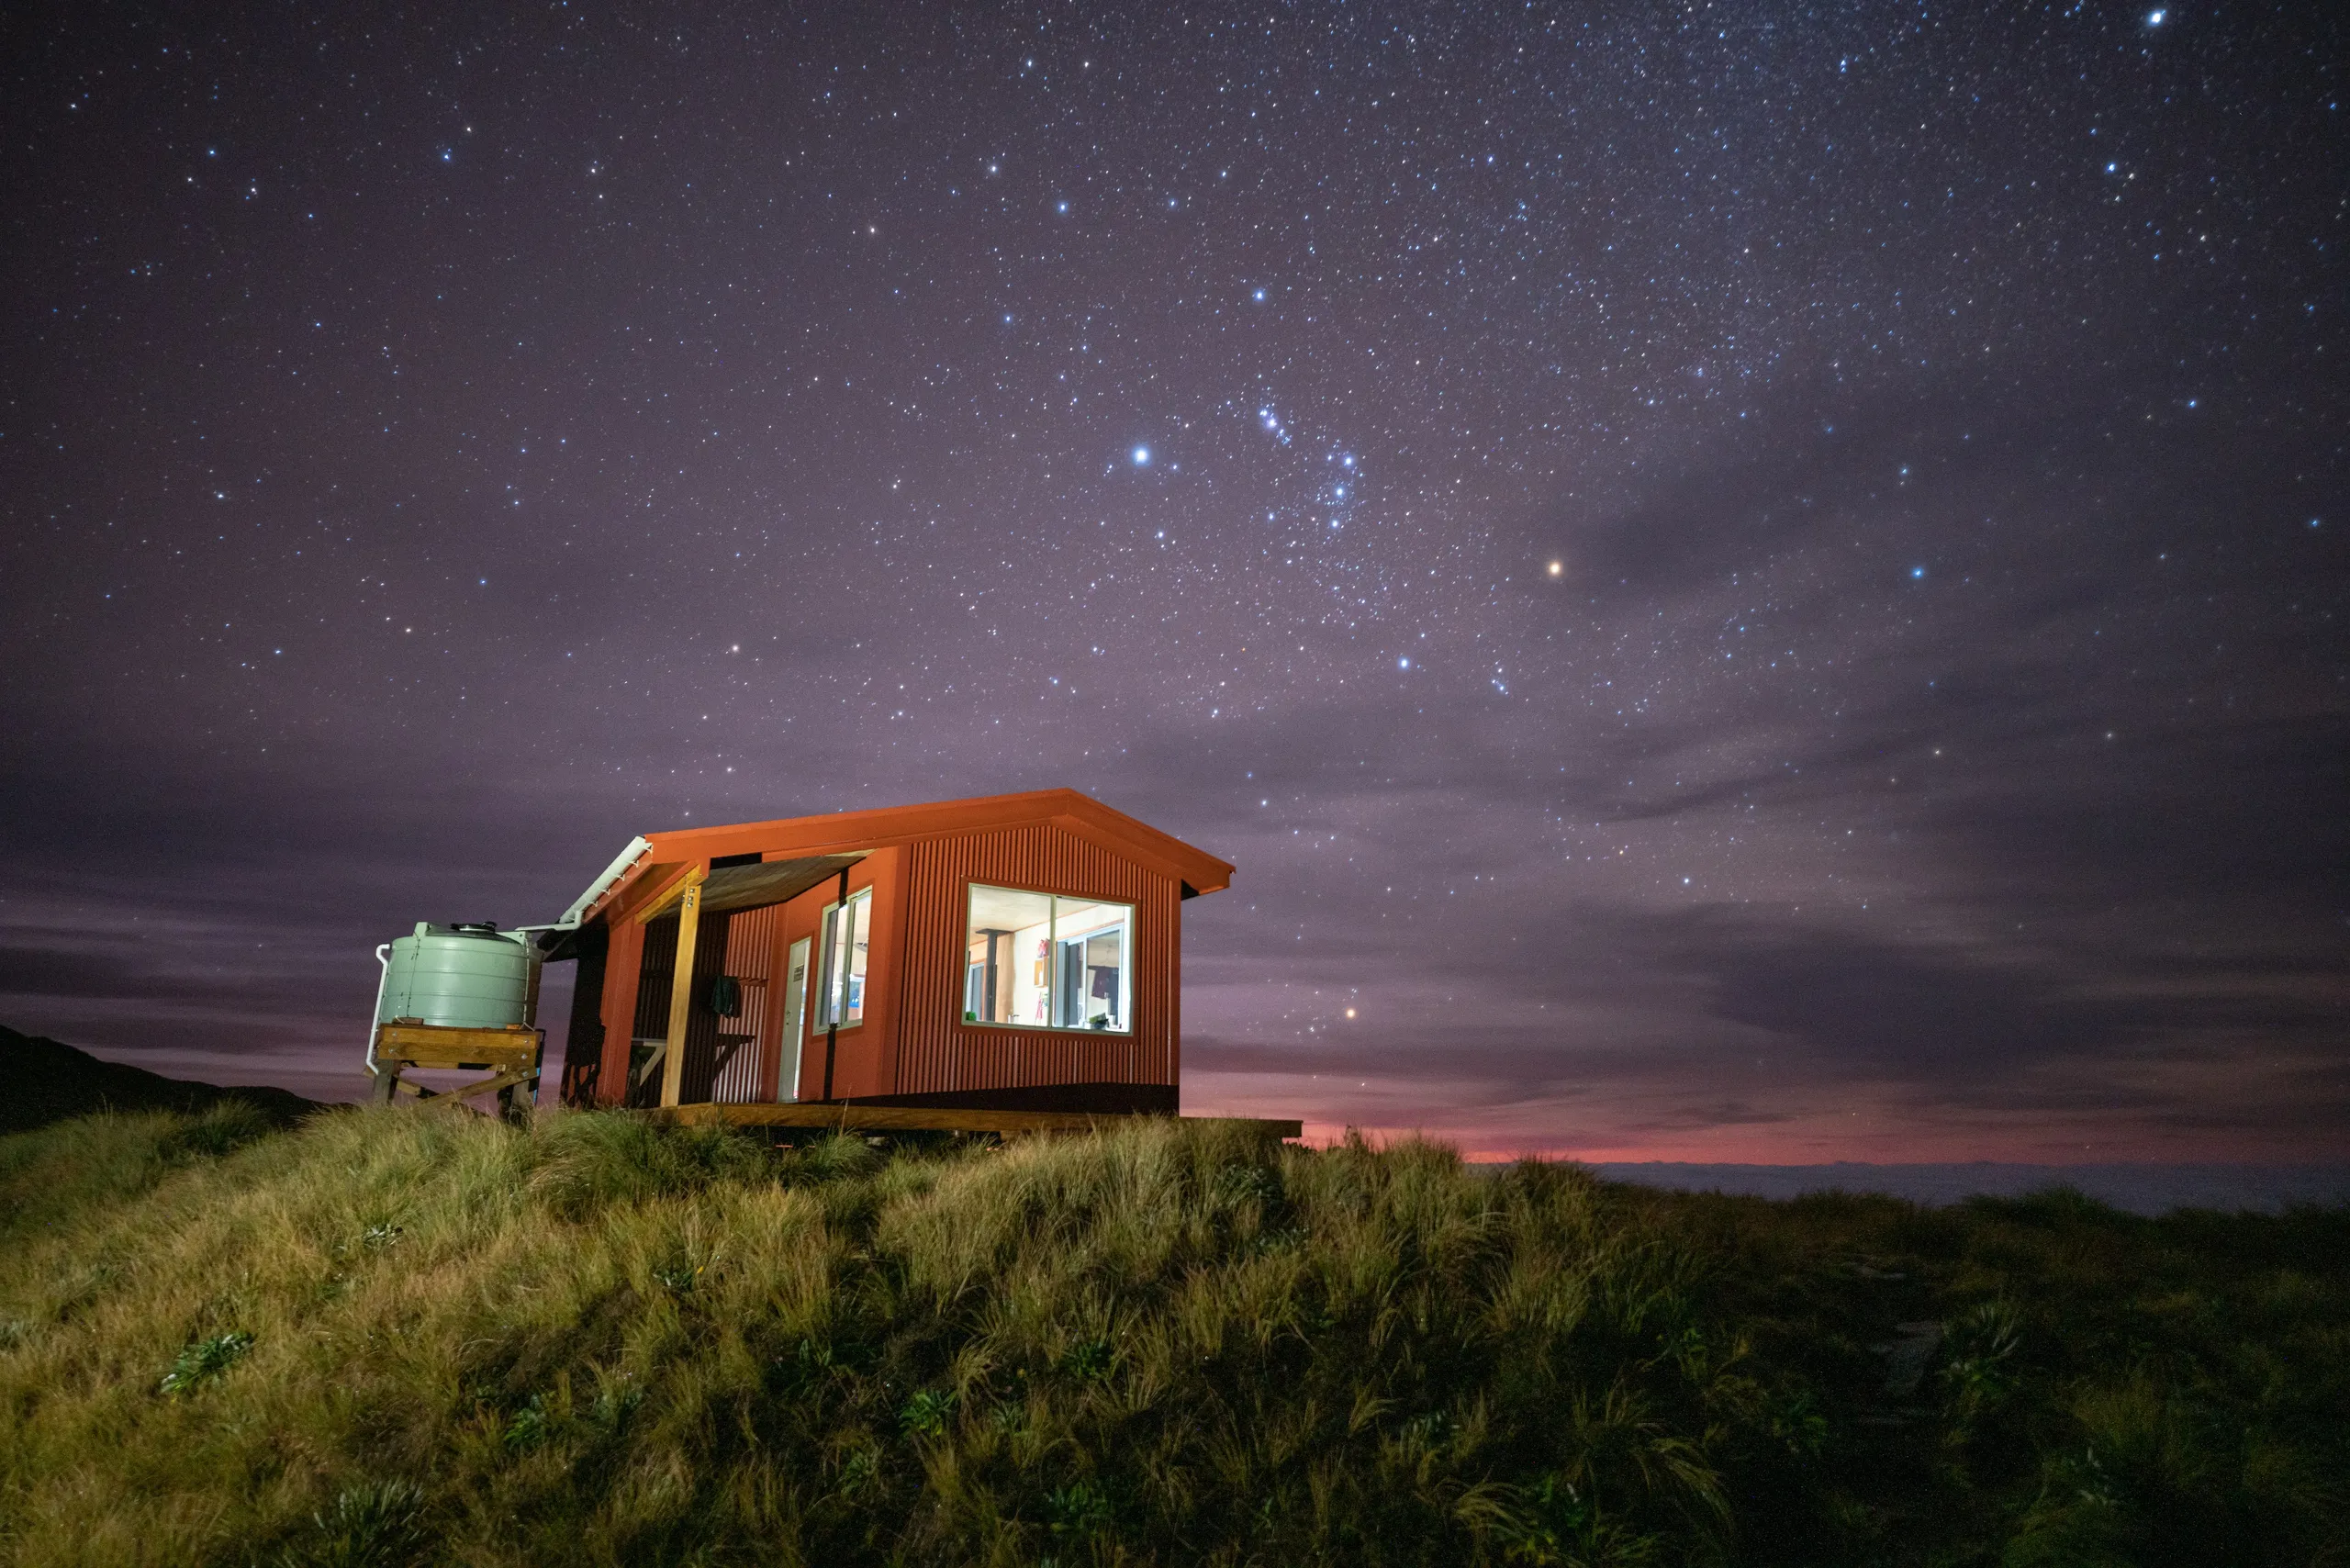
681, 995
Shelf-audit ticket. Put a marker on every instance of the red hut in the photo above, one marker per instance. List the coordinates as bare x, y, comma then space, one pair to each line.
1011, 953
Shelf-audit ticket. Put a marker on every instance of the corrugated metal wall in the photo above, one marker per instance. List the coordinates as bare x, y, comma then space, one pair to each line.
750, 949
657, 966
937, 1052
624, 950
722, 1055
583, 1046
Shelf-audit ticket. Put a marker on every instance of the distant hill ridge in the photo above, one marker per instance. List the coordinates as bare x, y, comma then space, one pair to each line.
49, 1081
2141, 1188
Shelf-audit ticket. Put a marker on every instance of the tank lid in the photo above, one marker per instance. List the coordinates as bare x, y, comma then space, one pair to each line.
469, 931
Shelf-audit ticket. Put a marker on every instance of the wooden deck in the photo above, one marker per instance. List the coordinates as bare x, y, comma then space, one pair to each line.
915, 1118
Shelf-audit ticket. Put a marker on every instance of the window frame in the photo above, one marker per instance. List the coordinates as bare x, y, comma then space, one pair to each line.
1126, 1028
828, 949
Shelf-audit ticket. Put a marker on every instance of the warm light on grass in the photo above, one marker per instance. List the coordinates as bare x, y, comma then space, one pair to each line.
412, 1336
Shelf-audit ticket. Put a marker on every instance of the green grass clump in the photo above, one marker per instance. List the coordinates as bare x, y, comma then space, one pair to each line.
203, 1361
408, 1337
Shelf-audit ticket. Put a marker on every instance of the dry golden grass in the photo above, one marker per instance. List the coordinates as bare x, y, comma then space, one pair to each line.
408, 1335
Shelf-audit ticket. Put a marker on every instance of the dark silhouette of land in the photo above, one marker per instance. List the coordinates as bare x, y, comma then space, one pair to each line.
49, 1081
2139, 1187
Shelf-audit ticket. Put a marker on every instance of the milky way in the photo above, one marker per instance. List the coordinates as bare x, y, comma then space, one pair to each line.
1739, 583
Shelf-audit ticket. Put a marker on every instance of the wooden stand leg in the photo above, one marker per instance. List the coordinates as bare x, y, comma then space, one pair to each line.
388, 1081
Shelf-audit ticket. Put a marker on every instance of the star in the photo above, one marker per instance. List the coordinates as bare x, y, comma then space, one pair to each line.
1525, 269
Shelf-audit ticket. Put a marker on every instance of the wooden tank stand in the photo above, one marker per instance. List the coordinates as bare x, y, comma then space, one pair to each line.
510, 1055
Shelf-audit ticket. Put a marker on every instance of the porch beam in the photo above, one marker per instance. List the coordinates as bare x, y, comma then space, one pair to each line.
681, 992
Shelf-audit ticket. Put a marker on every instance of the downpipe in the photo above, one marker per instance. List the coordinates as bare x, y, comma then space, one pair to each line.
376, 1024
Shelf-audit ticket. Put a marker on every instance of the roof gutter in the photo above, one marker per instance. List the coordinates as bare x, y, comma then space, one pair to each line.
623, 863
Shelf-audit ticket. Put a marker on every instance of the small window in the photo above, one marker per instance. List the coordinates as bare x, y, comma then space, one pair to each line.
839, 990
1043, 961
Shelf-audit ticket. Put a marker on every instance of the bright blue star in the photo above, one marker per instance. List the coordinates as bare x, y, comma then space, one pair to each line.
1403, 663
2154, 18
1142, 458
1260, 294
1917, 571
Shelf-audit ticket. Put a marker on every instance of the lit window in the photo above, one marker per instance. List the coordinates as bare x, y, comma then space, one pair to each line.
1047, 962
839, 990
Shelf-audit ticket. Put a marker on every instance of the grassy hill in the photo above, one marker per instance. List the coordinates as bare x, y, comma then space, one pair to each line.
413, 1336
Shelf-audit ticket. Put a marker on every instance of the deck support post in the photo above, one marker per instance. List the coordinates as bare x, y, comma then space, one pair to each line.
681, 995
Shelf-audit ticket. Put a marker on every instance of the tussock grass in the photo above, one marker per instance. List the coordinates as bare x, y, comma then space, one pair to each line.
405, 1337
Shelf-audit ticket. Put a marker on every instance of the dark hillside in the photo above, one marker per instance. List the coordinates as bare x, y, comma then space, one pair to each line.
49, 1081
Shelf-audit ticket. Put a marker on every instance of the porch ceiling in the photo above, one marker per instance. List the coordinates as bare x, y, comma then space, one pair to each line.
747, 887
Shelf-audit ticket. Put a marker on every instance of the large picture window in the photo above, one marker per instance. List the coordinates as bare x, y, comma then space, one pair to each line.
1044, 962
849, 935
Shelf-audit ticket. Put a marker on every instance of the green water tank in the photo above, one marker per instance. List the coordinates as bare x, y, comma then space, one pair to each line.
461, 977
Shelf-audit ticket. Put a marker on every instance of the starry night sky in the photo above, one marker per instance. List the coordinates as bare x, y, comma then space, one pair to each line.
1739, 581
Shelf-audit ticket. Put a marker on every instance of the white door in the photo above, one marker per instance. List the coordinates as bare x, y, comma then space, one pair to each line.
795, 1021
